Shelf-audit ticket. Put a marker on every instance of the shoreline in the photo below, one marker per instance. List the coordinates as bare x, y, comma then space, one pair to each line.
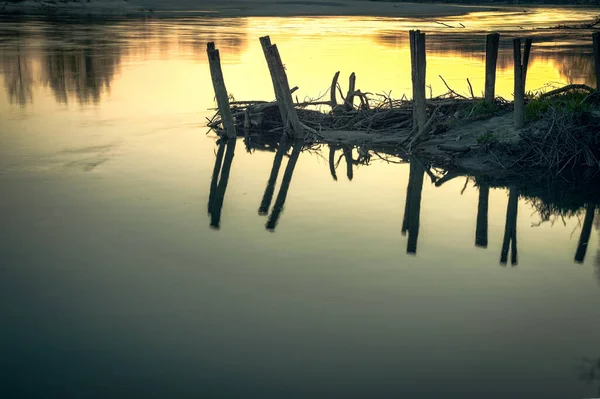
239, 8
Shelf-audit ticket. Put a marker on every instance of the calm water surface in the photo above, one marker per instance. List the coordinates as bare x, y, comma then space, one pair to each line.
114, 284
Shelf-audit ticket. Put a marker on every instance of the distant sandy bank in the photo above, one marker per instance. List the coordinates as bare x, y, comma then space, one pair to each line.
232, 8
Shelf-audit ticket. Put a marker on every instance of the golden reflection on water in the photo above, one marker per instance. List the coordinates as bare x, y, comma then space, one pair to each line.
81, 62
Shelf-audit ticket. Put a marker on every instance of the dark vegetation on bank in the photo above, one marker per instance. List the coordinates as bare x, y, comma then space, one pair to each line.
48, 1
499, 2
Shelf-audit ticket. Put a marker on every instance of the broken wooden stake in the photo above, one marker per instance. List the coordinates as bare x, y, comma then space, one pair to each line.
332, 90
520, 78
265, 42
418, 70
349, 102
281, 86
491, 60
214, 62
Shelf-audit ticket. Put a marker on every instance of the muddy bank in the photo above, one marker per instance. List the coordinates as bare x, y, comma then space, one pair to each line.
466, 136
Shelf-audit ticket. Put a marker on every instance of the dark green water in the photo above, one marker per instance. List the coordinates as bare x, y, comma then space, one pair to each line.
114, 284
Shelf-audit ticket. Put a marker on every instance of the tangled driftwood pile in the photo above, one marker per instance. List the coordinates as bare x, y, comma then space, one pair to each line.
373, 113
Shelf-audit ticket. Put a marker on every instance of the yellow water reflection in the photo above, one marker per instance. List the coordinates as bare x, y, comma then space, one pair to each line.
80, 62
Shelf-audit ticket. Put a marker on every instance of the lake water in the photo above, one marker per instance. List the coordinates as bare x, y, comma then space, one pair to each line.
114, 284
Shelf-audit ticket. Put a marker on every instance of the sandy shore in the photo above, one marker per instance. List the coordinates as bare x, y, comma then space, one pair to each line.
244, 8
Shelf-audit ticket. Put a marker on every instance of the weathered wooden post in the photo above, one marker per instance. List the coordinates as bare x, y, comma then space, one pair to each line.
520, 78
332, 98
481, 229
491, 60
596, 38
349, 105
270, 189
285, 185
214, 62
265, 42
418, 70
281, 86
586, 231
510, 229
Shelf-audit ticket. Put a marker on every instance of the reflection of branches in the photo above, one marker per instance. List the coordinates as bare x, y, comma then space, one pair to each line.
551, 213
85, 72
82, 59
17, 78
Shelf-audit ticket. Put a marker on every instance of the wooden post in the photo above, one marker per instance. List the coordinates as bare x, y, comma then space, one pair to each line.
281, 86
214, 62
332, 98
596, 38
491, 60
418, 71
510, 229
520, 78
349, 105
285, 185
586, 231
265, 42
481, 230
270, 189
216, 205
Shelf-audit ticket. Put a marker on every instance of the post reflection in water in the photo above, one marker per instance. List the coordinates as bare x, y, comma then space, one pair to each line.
510, 229
285, 185
481, 230
349, 162
586, 231
412, 208
220, 178
284, 145
332, 149
346, 155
